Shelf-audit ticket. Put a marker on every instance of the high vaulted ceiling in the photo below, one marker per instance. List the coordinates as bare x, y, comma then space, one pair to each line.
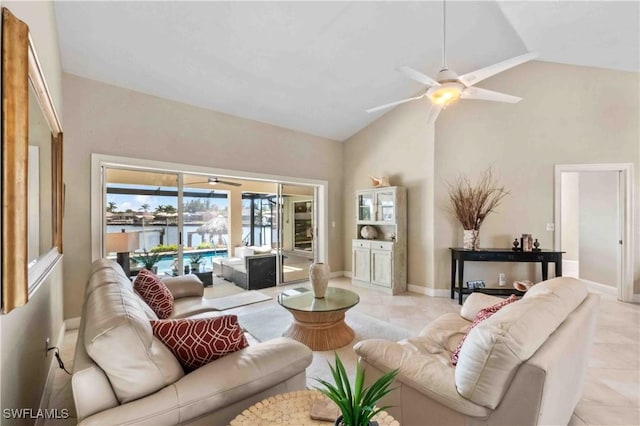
316, 66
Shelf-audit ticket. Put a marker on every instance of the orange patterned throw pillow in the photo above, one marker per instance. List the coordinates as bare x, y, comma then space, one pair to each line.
482, 315
196, 342
155, 293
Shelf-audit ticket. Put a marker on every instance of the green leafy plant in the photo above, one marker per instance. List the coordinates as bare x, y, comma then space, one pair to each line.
148, 260
162, 248
357, 405
196, 257
204, 246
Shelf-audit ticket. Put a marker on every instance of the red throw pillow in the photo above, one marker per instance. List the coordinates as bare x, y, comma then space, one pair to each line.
196, 342
482, 315
155, 293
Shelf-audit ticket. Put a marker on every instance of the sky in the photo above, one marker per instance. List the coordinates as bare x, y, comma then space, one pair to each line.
133, 202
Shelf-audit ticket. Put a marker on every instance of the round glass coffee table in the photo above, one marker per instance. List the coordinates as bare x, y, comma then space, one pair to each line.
319, 323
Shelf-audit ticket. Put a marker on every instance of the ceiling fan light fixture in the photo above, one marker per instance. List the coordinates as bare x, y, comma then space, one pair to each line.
212, 181
445, 94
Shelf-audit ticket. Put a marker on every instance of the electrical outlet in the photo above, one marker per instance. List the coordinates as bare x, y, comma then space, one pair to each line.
551, 226
46, 346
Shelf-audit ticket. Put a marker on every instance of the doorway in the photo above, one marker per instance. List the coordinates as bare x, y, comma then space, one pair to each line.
593, 225
297, 226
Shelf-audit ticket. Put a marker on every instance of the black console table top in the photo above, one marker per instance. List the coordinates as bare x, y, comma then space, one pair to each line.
460, 255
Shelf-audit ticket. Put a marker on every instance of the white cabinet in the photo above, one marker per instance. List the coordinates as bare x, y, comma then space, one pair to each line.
361, 263
377, 205
382, 262
382, 267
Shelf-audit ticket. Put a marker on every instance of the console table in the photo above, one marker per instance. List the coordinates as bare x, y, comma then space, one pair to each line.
460, 255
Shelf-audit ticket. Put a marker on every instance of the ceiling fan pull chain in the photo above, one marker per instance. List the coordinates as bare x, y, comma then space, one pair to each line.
444, 34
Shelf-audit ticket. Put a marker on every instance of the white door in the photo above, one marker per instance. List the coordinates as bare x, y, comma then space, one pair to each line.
381, 267
593, 212
361, 264
385, 206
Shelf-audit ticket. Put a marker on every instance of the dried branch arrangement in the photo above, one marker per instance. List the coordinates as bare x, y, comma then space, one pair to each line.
472, 203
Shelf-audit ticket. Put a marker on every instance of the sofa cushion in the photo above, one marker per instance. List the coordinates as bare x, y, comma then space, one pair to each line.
190, 306
196, 342
423, 363
118, 337
475, 302
188, 285
155, 293
146, 308
242, 252
496, 348
482, 315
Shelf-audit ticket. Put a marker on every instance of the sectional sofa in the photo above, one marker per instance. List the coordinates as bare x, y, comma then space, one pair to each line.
125, 375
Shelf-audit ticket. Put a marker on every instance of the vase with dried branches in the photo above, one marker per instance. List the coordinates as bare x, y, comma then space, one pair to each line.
472, 202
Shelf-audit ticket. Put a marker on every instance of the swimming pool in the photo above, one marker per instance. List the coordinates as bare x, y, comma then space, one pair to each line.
165, 264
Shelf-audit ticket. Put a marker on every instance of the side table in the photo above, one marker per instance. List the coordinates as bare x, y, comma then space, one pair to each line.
319, 323
292, 409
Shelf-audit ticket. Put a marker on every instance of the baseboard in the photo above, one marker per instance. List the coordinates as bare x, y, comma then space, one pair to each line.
338, 274
592, 285
570, 268
347, 274
72, 323
433, 292
48, 385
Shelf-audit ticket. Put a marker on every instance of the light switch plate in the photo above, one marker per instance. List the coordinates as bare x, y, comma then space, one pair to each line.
551, 226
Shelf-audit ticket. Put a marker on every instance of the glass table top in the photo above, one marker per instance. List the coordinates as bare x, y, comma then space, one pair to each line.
335, 299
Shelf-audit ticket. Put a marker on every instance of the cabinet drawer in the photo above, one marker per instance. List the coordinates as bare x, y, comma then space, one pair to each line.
361, 244
382, 246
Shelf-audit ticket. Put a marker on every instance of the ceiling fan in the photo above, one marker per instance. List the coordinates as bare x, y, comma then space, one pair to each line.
448, 86
215, 181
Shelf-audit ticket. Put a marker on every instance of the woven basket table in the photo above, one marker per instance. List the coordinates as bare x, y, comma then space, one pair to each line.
292, 409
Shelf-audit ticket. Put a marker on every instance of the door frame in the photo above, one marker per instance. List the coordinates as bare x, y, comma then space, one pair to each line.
98, 161
626, 219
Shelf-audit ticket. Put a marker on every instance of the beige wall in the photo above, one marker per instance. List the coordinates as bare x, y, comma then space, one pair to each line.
569, 114
105, 119
599, 227
24, 364
398, 145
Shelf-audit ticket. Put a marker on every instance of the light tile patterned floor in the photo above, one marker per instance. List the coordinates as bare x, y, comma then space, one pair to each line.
611, 395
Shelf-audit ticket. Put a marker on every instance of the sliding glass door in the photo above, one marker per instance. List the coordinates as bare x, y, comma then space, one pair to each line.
170, 223
142, 220
176, 223
297, 230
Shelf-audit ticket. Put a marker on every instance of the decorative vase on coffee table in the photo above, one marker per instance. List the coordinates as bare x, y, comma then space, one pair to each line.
470, 240
319, 277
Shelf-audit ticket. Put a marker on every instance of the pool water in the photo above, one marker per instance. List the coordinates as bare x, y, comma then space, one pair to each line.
165, 264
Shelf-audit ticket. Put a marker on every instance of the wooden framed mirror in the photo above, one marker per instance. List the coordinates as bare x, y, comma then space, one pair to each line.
32, 186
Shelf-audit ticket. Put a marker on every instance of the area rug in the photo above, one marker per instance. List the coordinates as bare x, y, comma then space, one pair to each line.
221, 288
240, 299
270, 322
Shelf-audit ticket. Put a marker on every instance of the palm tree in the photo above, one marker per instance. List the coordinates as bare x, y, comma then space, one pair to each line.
111, 207
145, 207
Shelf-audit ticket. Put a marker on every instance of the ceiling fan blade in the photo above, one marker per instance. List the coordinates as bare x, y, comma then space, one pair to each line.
226, 182
417, 76
389, 105
474, 77
215, 180
433, 113
488, 95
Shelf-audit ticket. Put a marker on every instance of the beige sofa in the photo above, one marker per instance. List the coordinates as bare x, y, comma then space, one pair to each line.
525, 365
124, 375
